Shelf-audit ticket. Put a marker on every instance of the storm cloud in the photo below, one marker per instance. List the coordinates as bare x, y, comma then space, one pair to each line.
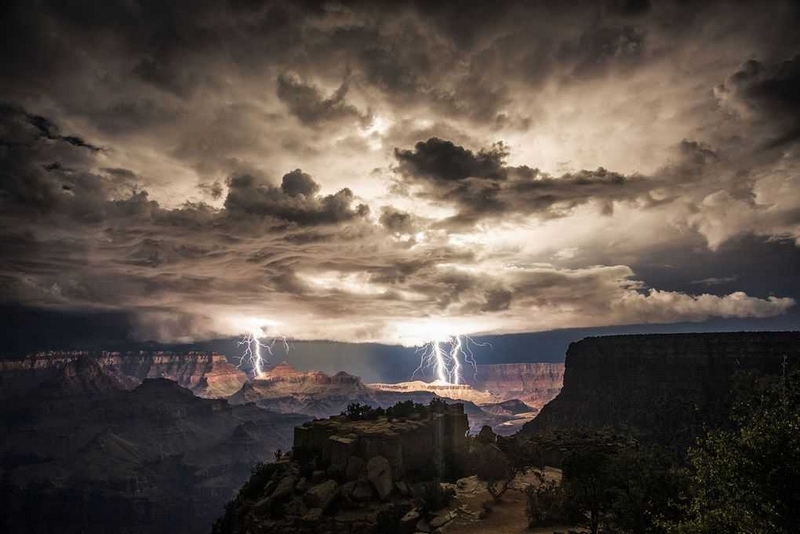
387, 171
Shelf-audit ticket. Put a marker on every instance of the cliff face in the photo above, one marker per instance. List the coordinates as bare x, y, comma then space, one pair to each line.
664, 388
81, 444
535, 384
207, 374
284, 389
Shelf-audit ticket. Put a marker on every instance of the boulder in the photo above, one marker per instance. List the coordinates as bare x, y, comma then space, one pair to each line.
263, 507
379, 473
284, 488
355, 467
317, 476
312, 517
362, 491
440, 520
321, 495
409, 521
302, 485
402, 488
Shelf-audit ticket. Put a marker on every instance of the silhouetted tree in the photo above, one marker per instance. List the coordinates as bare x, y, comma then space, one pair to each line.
748, 480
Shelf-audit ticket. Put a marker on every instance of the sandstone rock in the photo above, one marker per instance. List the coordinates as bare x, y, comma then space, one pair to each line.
285, 487
655, 383
335, 472
355, 467
317, 476
302, 485
402, 488
362, 491
409, 521
441, 520
535, 384
262, 508
338, 450
379, 472
321, 495
313, 516
423, 526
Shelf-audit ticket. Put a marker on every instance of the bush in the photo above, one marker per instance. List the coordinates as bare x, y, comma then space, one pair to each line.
544, 504
748, 479
260, 475
357, 412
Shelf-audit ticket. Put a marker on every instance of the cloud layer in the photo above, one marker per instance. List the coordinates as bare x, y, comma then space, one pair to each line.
370, 172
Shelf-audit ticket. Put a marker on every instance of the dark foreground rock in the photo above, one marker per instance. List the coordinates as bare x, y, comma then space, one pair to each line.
381, 475
662, 388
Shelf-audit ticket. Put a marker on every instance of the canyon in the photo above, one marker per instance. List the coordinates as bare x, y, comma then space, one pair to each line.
83, 452
207, 374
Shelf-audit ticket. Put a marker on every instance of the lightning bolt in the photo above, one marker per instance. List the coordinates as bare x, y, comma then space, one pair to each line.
252, 352
447, 364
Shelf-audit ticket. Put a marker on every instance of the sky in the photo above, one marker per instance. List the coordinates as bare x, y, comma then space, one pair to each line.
397, 172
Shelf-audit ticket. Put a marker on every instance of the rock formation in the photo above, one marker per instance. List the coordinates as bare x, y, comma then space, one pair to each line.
354, 475
462, 392
208, 374
410, 445
82, 450
663, 388
284, 389
535, 384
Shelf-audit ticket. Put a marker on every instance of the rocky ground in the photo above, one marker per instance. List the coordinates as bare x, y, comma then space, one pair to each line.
506, 517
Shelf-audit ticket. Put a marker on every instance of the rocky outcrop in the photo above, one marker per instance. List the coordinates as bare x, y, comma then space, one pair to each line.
663, 388
535, 384
411, 446
459, 392
208, 374
365, 474
285, 389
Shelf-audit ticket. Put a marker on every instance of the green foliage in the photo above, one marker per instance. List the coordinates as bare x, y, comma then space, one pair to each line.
403, 409
545, 504
260, 475
627, 489
586, 482
748, 480
357, 412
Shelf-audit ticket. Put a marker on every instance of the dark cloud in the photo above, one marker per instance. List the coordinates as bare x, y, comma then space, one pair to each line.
770, 91
294, 201
441, 160
396, 221
299, 183
124, 120
599, 49
311, 108
482, 185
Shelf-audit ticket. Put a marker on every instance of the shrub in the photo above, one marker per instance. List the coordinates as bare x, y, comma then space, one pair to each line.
544, 503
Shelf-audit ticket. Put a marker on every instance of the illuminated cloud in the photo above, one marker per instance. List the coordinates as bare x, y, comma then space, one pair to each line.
372, 172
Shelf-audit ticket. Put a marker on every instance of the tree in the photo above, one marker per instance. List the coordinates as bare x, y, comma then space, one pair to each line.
544, 504
748, 480
587, 482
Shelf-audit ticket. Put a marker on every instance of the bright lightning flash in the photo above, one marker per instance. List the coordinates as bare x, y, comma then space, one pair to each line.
253, 346
447, 362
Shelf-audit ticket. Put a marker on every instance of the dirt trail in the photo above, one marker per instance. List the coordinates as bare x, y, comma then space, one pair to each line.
507, 517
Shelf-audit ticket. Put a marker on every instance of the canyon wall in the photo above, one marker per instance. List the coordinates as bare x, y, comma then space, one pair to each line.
83, 452
663, 388
535, 384
207, 374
